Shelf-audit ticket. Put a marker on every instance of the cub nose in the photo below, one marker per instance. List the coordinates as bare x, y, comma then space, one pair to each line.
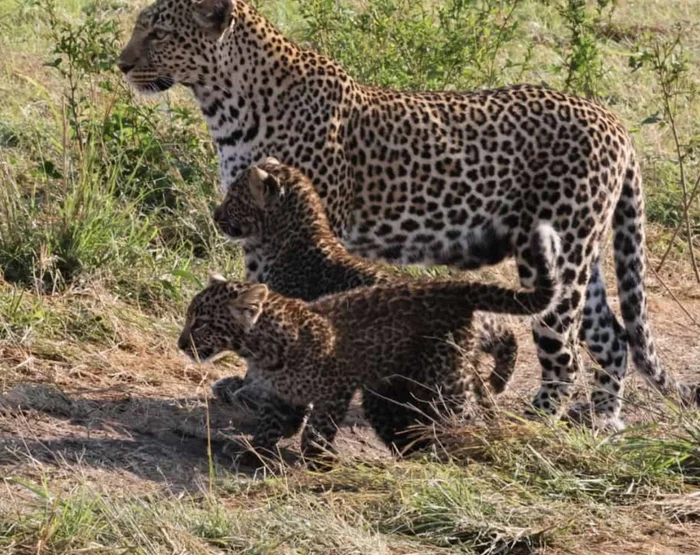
124, 67
183, 343
218, 215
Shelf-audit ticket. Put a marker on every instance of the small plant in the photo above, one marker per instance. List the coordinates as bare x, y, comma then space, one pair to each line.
154, 162
70, 219
667, 59
583, 65
47, 243
82, 52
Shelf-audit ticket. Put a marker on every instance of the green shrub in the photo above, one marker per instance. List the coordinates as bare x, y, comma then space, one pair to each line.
115, 186
412, 44
583, 65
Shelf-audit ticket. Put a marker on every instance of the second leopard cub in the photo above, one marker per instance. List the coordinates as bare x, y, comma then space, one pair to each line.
320, 353
276, 213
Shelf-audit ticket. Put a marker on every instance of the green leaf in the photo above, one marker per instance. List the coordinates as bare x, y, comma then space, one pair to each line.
654, 118
188, 276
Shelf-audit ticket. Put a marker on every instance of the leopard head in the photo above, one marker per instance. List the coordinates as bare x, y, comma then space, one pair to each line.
220, 317
251, 200
176, 41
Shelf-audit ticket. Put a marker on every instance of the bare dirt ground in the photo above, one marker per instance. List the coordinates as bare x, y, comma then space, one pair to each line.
136, 415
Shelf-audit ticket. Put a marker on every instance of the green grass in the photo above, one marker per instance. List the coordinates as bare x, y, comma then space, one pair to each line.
105, 234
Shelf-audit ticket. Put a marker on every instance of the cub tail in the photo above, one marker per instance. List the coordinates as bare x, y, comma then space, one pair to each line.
543, 297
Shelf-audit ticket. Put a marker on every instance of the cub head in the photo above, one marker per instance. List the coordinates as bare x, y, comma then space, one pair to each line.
220, 316
176, 41
251, 199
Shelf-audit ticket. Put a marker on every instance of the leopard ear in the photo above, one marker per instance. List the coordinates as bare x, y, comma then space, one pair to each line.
215, 278
263, 186
214, 16
248, 305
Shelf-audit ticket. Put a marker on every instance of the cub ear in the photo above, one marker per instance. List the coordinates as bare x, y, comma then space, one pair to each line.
213, 15
247, 307
216, 278
271, 160
263, 186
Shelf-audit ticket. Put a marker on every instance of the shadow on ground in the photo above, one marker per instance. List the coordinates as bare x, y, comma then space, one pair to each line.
162, 440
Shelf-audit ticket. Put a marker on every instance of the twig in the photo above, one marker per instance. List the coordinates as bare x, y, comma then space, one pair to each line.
686, 208
684, 188
668, 109
673, 296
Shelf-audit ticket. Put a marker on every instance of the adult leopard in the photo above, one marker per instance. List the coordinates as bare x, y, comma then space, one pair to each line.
432, 178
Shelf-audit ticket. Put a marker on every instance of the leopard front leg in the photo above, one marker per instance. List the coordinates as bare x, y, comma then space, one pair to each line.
233, 390
392, 408
248, 394
322, 426
272, 424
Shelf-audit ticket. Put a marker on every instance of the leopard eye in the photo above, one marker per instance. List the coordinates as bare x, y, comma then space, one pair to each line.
160, 34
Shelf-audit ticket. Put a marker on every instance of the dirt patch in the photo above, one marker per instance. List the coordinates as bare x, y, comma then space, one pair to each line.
137, 430
678, 344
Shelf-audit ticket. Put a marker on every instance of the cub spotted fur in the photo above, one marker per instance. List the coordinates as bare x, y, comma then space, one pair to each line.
321, 352
276, 213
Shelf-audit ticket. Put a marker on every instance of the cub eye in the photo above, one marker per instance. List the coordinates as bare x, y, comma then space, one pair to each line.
160, 34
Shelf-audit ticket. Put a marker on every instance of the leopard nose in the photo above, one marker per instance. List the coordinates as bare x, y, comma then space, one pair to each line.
220, 217
183, 343
124, 67
218, 214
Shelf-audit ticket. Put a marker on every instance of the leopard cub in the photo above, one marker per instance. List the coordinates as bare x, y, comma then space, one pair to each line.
274, 210
320, 353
